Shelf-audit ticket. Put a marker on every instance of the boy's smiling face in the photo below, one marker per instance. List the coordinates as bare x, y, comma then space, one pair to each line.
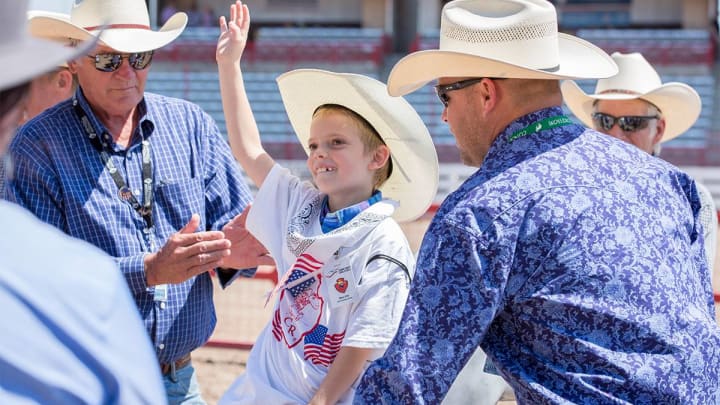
339, 164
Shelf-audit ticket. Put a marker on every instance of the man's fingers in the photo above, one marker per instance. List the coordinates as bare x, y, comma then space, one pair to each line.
206, 247
203, 268
202, 259
192, 225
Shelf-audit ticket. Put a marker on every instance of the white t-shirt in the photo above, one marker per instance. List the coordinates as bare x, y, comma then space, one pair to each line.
332, 296
709, 221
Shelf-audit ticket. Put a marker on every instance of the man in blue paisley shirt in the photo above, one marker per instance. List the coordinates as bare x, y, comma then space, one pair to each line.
573, 259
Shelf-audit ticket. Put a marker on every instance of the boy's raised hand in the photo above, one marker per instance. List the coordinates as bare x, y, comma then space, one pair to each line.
233, 34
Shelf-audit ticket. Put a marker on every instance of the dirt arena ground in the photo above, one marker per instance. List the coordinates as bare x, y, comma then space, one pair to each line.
241, 317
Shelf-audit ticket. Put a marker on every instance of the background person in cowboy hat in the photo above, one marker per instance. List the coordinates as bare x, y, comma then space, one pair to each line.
52, 87
636, 107
72, 334
346, 263
581, 282
45, 91
146, 178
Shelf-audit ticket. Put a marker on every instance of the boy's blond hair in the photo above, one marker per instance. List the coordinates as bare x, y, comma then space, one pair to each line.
369, 136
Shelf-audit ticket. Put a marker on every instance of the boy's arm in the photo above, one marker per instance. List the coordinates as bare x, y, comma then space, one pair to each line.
344, 370
243, 133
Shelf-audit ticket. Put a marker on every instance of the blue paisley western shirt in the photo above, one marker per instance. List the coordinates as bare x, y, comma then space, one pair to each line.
576, 262
60, 177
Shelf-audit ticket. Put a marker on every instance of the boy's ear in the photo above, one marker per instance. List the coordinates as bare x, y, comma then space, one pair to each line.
380, 157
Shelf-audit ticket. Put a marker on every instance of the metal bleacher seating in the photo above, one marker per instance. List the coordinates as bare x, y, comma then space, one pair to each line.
594, 14
203, 89
659, 46
320, 44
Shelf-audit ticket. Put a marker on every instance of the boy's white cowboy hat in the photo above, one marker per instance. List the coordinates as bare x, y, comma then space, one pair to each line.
125, 25
24, 57
414, 178
501, 38
679, 103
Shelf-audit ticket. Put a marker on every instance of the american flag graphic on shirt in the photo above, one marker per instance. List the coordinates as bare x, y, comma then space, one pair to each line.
321, 347
304, 265
299, 312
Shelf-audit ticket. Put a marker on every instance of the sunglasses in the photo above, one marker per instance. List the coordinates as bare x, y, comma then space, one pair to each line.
110, 62
628, 123
443, 89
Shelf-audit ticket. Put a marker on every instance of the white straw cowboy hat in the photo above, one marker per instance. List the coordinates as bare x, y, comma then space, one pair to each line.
125, 25
24, 57
414, 178
501, 38
678, 103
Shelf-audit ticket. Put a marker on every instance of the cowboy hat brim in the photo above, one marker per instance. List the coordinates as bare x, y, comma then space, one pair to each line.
579, 59
414, 178
120, 39
679, 103
32, 57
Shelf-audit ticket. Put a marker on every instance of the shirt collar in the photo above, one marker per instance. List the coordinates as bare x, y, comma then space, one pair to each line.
146, 122
330, 221
505, 153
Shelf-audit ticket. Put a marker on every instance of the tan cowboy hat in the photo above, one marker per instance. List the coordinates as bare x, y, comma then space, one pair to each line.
679, 103
43, 13
24, 57
126, 25
414, 178
501, 38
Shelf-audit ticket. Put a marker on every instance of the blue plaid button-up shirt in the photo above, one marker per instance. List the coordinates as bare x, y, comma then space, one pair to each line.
60, 177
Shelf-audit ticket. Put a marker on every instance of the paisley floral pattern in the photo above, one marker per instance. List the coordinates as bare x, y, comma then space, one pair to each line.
576, 262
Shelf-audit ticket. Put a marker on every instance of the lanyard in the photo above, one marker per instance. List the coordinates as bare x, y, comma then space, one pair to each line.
124, 192
537, 126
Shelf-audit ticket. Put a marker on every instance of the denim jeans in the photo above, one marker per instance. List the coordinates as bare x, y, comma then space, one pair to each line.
186, 390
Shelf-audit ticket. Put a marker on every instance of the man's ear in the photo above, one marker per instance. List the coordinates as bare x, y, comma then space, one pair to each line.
489, 93
660, 125
64, 79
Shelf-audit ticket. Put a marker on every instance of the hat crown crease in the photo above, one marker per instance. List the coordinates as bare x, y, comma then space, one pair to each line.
92, 14
526, 36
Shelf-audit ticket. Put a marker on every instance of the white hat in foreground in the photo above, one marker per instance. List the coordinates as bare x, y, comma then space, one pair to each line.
24, 57
414, 178
125, 25
501, 38
679, 103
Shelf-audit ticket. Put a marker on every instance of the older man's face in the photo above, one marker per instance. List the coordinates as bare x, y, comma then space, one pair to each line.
110, 93
645, 138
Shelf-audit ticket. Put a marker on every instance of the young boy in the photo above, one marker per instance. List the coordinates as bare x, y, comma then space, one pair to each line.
344, 264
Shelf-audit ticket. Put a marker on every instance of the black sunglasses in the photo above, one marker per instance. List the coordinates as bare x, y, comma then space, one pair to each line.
443, 89
628, 123
110, 62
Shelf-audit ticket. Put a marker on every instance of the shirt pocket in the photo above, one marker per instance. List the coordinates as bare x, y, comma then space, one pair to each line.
177, 200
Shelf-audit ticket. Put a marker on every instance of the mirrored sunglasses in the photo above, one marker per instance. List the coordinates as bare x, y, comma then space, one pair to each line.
443, 89
628, 123
110, 62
